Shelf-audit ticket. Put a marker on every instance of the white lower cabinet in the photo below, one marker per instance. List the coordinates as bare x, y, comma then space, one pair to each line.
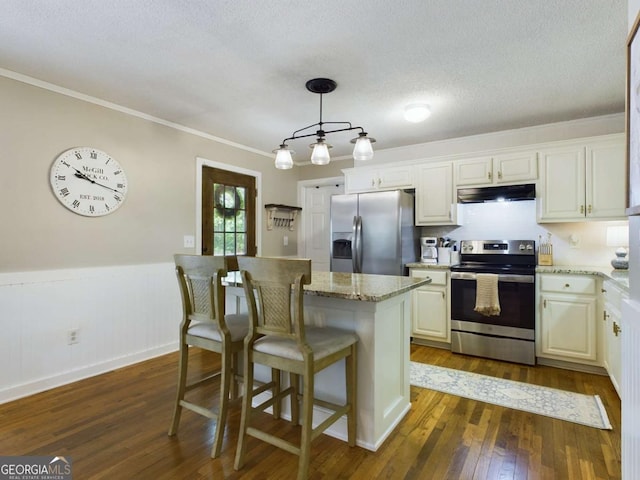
567, 309
611, 316
430, 316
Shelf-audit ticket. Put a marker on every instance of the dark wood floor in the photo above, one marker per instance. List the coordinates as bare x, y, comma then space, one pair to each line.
114, 426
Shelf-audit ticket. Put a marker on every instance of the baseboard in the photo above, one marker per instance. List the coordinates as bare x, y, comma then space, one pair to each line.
577, 367
40, 385
431, 343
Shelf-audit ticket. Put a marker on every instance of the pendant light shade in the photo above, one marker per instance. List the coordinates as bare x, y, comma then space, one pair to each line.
284, 161
363, 151
320, 154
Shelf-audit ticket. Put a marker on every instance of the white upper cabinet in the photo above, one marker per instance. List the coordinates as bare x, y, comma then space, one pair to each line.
606, 179
497, 169
359, 180
583, 181
435, 195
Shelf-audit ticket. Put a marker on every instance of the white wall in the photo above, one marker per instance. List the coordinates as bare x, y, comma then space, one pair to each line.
586, 127
122, 314
630, 338
517, 221
110, 277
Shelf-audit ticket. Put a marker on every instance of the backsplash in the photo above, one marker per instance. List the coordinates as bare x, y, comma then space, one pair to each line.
517, 221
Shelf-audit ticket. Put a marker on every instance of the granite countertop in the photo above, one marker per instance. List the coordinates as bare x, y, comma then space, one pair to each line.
351, 286
360, 286
620, 277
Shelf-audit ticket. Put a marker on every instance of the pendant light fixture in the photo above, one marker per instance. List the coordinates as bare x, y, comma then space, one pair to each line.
320, 156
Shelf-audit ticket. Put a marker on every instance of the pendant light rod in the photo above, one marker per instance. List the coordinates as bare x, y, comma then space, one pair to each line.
362, 151
323, 132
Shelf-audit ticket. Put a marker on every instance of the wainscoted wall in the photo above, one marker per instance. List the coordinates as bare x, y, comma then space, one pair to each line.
124, 314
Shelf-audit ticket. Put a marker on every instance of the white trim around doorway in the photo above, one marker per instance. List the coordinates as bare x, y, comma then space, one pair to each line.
203, 162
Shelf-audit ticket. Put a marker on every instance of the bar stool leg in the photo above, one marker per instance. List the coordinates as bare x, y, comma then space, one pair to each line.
225, 384
294, 381
182, 383
246, 413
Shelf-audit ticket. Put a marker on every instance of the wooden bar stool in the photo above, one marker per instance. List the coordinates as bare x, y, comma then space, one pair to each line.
278, 338
205, 325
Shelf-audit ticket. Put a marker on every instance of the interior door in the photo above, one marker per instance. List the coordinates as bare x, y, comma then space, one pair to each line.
317, 224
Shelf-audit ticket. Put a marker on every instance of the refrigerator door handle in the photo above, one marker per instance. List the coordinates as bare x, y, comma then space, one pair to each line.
354, 246
359, 244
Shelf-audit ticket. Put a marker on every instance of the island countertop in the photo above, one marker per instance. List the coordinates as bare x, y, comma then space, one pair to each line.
360, 286
351, 286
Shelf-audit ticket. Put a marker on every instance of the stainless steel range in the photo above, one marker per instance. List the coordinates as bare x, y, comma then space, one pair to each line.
509, 335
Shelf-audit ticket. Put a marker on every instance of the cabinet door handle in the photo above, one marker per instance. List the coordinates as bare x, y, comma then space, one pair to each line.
379, 181
603, 290
443, 295
566, 285
616, 329
589, 209
605, 316
489, 175
373, 182
582, 209
499, 174
544, 303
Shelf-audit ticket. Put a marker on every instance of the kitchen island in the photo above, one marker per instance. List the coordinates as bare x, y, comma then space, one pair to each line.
378, 309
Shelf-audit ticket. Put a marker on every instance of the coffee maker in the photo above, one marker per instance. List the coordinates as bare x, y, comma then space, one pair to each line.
429, 250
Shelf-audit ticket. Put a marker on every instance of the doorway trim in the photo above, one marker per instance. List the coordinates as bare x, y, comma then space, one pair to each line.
203, 162
303, 185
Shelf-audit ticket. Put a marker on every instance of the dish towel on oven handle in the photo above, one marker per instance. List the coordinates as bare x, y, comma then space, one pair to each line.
487, 300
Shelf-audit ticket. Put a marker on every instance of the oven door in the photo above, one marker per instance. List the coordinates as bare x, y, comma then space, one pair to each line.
516, 294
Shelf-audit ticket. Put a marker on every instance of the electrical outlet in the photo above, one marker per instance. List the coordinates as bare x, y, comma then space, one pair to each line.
72, 336
285, 241
574, 240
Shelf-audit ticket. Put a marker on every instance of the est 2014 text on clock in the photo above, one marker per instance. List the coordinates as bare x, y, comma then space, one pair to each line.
88, 181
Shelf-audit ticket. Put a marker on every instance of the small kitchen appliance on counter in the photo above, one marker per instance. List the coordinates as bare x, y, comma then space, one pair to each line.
429, 250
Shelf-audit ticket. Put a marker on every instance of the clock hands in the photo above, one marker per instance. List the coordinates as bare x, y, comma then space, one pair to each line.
81, 175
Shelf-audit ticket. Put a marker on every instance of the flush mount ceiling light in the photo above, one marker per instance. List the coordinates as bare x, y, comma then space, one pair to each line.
320, 155
417, 112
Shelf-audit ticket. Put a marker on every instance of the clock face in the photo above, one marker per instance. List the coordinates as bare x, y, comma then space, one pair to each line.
88, 181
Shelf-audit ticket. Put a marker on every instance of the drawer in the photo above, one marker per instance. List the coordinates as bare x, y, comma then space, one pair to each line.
568, 284
438, 277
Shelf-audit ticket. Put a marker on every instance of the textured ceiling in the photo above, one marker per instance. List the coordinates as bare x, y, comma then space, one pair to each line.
236, 69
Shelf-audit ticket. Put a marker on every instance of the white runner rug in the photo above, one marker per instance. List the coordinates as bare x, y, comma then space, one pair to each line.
573, 407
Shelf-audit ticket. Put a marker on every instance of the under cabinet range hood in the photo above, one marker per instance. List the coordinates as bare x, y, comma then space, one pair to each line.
505, 193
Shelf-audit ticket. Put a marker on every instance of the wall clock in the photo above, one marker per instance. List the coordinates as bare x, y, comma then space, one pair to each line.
88, 181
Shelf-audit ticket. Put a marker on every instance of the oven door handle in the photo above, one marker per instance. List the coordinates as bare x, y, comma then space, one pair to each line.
502, 277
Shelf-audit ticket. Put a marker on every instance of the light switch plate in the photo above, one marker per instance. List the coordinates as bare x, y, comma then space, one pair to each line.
189, 241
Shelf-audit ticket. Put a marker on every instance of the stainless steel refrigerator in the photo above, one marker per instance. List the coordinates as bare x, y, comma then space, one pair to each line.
373, 233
